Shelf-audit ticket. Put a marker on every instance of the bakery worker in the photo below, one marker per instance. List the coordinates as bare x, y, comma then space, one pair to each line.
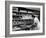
36, 22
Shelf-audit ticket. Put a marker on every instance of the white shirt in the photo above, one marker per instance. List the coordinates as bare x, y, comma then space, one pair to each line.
37, 21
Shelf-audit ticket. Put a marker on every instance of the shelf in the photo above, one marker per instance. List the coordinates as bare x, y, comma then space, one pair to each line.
21, 12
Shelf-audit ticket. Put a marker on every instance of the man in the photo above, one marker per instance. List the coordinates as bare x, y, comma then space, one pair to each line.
36, 24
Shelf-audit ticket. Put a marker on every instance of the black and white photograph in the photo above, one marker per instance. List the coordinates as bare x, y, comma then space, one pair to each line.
24, 18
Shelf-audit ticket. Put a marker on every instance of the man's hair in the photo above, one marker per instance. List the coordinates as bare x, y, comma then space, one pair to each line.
33, 16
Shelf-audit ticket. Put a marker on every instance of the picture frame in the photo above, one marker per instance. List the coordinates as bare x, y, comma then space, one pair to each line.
23, 9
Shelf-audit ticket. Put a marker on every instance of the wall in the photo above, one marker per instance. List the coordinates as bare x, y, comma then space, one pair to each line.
2, 19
